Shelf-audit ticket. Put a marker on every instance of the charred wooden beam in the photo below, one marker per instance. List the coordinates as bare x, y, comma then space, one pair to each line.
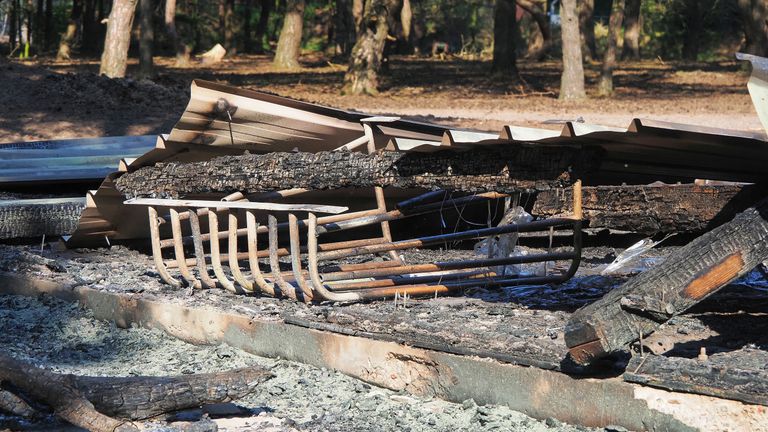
102, 403
653, 209
38, 217
686, 277
510, 168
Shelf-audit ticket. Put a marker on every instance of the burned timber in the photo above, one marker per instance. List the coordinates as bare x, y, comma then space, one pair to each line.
253, 198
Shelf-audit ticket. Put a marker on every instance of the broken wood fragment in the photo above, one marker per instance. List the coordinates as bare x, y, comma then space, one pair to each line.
511, 168
99, 403
684, 278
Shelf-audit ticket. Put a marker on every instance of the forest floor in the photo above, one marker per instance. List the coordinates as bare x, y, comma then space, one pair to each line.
46, 99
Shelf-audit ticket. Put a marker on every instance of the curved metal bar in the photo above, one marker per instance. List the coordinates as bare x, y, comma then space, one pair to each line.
178, 248
253, 255
213, 228
194, 224
286, 288
154, 230
314, 274
234, 267
293, 231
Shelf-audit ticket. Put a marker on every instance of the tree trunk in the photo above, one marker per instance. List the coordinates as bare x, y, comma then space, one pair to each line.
504, 50
693, 30
506, 169
68, 38
572, 81
48, 41
247, 31
683, 279
605, 86
261, 26
13, 14
587, 28
146, 39
539, 47
182, 51
365, 62
358, 8
653, 210
39, 39
93, 402
289, 44
344, 31
90, 26
229, 27
754, 14
406, 21
633, 24
114, 60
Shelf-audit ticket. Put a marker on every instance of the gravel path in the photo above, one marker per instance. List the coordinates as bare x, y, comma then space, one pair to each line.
65, 338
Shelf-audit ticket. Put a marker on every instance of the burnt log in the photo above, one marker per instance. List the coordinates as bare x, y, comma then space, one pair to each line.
504, 169
108, 403
35, 218
653, 209
685, 278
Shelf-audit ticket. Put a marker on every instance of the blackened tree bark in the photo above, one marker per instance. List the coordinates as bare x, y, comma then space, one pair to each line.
693, 30
344, 32
261, 26
504, 24
289, 44
587, 28
754, 14
68, 38
146, 39
605, 85
362, 76
114, 59
572, 81
182, 51
541, 43
633, 24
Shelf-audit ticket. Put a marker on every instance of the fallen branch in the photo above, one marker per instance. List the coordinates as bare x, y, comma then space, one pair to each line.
109, 403
505, 169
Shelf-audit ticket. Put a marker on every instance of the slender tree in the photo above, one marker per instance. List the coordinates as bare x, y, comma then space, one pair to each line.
261, 26
182, 51
632, 25
693, 30
362, 75
572, 80
49, 30
40, 24
504, 24
541, 43
755, 17
605, 85
114, 59
289, 44
146, 39
229, 27
358, 7
68, 38
13, 15
587, 28
344, 32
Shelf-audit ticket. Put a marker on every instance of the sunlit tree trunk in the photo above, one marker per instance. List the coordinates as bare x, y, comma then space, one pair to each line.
261, 26
587, 28
754, 16
358, 7
541, 43
229, 27
114, 59
633, 24
182, 51
362, 75
605, 85
406, 22
693, 30
504, 23
68, 38
146, 39
289, 44
572, 81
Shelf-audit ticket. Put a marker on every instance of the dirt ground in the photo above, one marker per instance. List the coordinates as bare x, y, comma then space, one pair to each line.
45, 99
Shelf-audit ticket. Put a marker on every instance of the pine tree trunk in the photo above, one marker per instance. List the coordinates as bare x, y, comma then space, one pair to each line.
344, 27
365, 62
39, 40
229, 27
633, 24
693, 30
358, 9
605, 86
406, 21
289, 44
754, 14
261, 26
146, 39
504, 50
587, 28
13, 15
247, 30
182, 51
48, 41
539, 45
68, 38
90, 33
114, 59
572, 81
